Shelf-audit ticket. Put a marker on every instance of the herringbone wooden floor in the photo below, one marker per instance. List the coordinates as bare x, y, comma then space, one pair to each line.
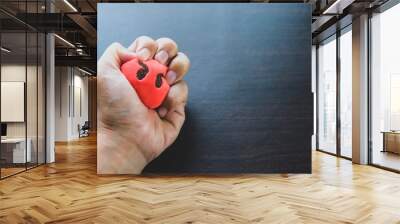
69, 191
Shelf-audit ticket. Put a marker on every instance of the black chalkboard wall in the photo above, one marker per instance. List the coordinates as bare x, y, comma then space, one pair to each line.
250, 106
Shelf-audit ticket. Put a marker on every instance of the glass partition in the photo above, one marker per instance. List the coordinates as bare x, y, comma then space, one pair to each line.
327, 95
41, 96
34, 60
23, 91
31, 99
14, 153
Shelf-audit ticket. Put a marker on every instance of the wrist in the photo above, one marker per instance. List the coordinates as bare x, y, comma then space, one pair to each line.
117, 154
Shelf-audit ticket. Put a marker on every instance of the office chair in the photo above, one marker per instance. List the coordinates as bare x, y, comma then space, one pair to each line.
84, 130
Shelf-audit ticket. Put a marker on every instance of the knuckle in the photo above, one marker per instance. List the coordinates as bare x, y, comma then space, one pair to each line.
182, 60
111, 49
145, 40
115, 45
167, 41
144, 37
183, 56
187, 62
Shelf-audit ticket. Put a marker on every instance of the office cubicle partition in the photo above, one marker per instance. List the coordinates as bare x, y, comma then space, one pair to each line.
22, 89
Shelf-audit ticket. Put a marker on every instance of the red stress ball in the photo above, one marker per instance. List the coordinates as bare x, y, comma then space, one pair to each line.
148, 79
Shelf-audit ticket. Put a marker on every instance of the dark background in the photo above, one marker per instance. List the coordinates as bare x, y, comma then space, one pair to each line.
250, 103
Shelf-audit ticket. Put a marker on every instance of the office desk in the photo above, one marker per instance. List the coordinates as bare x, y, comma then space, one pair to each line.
13, 150
391, 141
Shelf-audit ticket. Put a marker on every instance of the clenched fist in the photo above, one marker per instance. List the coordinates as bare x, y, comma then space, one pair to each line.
130, 135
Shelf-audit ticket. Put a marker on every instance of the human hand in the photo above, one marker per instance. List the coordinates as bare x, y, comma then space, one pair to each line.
130, 135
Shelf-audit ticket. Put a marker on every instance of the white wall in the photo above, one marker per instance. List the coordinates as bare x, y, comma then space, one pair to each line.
16, 72
62, 82
80, 103
71, 102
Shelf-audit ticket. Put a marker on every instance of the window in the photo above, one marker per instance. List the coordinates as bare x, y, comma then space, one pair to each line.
385, 88
346, 93
333, 137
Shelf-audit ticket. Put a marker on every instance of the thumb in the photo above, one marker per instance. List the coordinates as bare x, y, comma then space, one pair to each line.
117, 99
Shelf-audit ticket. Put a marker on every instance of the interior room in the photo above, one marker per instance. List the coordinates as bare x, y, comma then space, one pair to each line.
50, 118
22, 105
24, 68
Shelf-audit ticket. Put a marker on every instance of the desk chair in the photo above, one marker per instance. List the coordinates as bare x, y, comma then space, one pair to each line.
84, 130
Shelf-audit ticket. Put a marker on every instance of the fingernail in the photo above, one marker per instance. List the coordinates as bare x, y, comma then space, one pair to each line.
162, 57
162, 111
144, 53
171, 77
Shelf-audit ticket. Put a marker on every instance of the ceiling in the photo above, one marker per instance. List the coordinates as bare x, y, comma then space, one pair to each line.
75, 22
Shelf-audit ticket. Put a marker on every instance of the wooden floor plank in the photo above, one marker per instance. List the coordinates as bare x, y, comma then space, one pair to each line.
70, 191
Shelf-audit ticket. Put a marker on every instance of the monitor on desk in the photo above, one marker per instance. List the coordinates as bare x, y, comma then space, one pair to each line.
3, 130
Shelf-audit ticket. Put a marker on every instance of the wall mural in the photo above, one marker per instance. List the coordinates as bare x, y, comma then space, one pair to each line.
249, 107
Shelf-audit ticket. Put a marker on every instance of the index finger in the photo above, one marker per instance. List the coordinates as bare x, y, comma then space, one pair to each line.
114, 56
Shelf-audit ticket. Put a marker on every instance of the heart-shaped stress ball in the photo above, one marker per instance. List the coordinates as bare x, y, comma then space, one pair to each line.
148, 79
